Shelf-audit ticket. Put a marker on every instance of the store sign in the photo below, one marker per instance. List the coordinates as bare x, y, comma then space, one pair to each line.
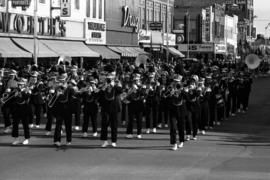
21, 3
95, 32
144, 36
196, 47
241, 2
220, 49
130, 20
156, 37
24, 24
209, 24
170, 38
65, 8
156, 26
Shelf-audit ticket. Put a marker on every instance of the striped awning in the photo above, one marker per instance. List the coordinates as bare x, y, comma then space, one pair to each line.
70, 48
105, 52
9, 50
128, 51
175, 52
28, 45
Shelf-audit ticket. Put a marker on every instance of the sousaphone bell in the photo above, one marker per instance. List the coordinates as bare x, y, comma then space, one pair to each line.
252, 61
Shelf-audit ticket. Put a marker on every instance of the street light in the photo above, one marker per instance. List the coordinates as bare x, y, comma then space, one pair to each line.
265, 42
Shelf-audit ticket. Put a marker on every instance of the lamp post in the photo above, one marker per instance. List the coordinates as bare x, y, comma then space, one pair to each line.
35, 33
265, 41
167, 43
188, 24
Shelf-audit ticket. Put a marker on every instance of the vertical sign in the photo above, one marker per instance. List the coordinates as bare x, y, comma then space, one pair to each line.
65, 8
209, 24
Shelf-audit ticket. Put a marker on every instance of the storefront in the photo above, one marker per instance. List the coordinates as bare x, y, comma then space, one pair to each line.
122, 28
55, 38
200, 51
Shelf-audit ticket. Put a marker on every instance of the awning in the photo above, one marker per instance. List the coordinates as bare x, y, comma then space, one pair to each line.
28, 45
128, 51
9, 50
175, 52
105, 52
70, 48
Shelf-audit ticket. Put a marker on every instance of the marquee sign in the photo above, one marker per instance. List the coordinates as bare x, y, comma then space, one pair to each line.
130, 20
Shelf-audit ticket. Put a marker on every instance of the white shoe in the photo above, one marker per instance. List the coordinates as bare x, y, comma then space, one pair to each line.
48, 133
139, 136
123, 123
95, 134
45, 115
154, 130
37, 126
16, 142
181, 145
188, 138
85, 134
129, 136
114, 144
174, 147
68, 143
159, 126
58, 144
199, 132
166, 126
194, 138
218, 123
105, 144
148, 131
239, 110
26, 142
7, 130
77, 128
203, 132
31, 125
233, 114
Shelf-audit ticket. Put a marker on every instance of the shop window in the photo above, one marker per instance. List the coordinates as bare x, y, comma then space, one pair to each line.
94, 8
100, 16
88, 8
2, 3
77, 4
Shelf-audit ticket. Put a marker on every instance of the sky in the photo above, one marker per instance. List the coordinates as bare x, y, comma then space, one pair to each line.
262, 11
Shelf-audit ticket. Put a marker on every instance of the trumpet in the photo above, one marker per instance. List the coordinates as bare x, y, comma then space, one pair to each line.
6, 97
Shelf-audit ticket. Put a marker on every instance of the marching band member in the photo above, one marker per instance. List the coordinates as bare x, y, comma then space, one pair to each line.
74, 103
163, 112
36, 100
110, 108
135, 108
90, 106
151, 103
177, 119
20, 112
62, 107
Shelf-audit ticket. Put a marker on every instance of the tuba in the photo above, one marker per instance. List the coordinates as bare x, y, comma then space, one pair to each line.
252, 61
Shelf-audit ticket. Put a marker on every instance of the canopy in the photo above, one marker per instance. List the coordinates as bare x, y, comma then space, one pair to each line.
70, 48
175, 52
105, 52
9, 50
128, 51
28, 45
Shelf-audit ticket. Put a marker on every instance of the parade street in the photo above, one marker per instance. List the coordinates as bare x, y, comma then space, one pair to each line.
238, 149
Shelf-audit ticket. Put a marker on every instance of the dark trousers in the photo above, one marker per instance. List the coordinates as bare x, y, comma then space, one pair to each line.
35, 109
6, 116
86, 116
195, 119
15, 130
124, 112
204, 120
50, 116
151, 111
134, 114
234, 103
163, 112
213, 112
77, 114
177, 122
109, 119
188, 123
220, 113
68, 127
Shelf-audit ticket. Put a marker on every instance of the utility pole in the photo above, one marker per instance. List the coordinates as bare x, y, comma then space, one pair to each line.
35, 33
167, 44
188, 19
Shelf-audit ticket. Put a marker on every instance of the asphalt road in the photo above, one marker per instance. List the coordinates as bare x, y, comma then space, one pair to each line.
238, 149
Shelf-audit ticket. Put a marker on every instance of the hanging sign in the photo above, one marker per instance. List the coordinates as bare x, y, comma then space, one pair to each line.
65, 7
